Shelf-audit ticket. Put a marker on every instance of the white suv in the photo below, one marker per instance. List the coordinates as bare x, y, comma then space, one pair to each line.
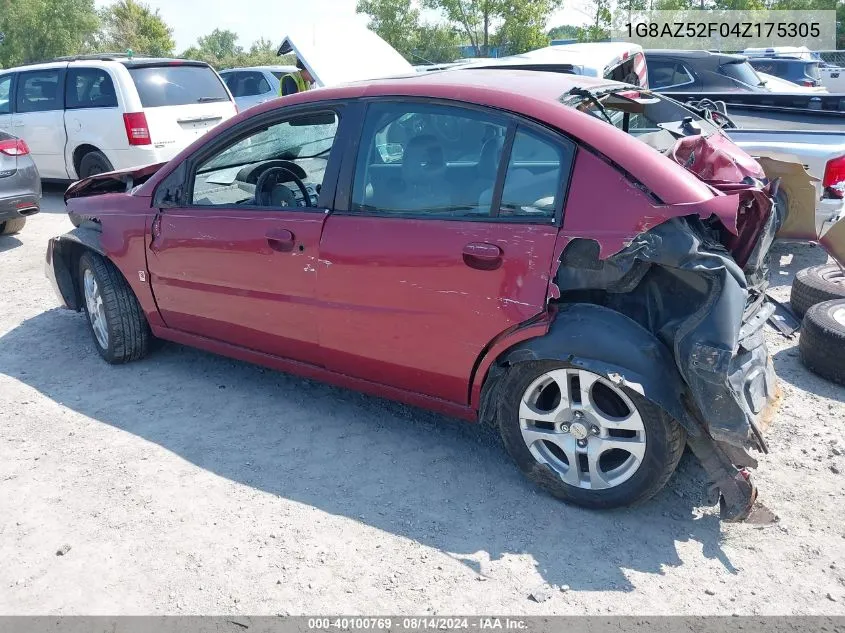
87, 115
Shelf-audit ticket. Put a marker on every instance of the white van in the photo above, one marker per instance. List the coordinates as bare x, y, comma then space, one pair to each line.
88, 115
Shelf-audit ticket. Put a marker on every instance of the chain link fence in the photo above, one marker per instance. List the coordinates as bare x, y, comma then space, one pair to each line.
833, 57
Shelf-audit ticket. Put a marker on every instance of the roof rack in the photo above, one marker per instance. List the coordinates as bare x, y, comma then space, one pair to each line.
103, 57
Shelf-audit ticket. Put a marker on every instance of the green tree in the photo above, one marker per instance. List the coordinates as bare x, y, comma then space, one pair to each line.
436, 43
395, 21
524, 25
220, 44
220, 49
128, 24
563, 32
36, 30
476, 19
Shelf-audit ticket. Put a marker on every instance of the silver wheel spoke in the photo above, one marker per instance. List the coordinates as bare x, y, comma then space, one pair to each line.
96, 309
576, 435
529, 411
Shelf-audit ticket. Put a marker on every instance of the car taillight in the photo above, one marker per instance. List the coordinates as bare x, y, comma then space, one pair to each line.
14, 147
137, 130
834, 178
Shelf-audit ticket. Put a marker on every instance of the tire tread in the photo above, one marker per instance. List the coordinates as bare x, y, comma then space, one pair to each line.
129, 332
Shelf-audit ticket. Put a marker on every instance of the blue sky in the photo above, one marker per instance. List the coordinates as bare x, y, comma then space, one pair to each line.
252, 19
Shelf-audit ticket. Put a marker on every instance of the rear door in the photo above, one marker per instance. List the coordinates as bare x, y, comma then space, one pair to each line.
427, 259
92, 111
39, 119
241, 268
181, 100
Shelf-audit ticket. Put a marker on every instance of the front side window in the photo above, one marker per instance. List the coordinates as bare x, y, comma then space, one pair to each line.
90, 88
425, 159
38, 91
668, 74
5, 94
281, 165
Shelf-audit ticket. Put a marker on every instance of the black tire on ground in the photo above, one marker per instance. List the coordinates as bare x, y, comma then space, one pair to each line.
94, 163
822, 341
816, 284
12, 226
666, 440
128, 331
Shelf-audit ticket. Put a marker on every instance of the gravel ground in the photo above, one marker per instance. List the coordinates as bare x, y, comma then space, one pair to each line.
189, 483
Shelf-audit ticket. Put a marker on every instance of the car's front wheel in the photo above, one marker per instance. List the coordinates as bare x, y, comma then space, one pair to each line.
584, 438
117, 323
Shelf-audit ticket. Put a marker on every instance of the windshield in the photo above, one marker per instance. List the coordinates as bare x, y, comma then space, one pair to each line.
656, 120
177, 85
742, 71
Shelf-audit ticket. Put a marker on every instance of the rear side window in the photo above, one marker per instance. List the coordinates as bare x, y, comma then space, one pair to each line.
89, 88
247, 84
741, 71
536, 175
175, 85
38, 91
6, 94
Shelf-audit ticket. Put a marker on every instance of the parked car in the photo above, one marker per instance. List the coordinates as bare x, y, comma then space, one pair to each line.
466, 246
256, 84
831, 76
617, 61
88, 115
803, 72
20, 186
701, 71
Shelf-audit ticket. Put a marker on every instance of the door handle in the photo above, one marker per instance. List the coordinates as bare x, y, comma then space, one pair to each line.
281, 240
482, 255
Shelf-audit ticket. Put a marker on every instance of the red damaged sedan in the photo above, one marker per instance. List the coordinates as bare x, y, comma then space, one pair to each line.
498, 246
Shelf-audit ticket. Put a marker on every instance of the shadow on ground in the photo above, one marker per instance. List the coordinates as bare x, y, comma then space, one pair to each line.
787, 258
438, 481
8, 242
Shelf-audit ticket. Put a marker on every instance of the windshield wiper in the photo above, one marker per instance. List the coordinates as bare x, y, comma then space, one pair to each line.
590, 96
211, 99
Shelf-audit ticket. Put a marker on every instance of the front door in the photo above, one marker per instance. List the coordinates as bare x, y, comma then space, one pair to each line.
431, 259
238, 261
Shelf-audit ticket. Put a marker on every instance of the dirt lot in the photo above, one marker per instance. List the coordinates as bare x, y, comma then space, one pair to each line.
189, 483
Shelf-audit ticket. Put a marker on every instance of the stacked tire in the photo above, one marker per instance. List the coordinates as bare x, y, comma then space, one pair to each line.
818, 294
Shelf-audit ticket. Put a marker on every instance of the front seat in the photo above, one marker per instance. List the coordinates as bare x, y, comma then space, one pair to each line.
424, 175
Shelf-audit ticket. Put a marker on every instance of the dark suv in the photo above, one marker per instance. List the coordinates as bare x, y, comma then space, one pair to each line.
701, 71
803, 72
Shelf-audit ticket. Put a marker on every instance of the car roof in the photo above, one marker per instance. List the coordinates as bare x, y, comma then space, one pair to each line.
101, 60
282, 67
723, 58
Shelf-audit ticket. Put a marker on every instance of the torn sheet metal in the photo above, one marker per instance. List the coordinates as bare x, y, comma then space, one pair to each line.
679, 282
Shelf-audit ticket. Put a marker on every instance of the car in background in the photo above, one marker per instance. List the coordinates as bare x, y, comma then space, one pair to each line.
803, 72
616, 61
87, 115
831, 76
776, 84
701, 71
520, 226
20, 185
256, 84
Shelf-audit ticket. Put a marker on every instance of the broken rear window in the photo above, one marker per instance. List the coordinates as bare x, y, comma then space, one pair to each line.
653, 119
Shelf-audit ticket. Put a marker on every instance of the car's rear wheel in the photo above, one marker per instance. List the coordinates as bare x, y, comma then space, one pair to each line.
94, 163
584, 438
117, 323
12, 226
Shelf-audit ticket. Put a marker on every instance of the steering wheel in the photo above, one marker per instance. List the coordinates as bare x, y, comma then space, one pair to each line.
268, 181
